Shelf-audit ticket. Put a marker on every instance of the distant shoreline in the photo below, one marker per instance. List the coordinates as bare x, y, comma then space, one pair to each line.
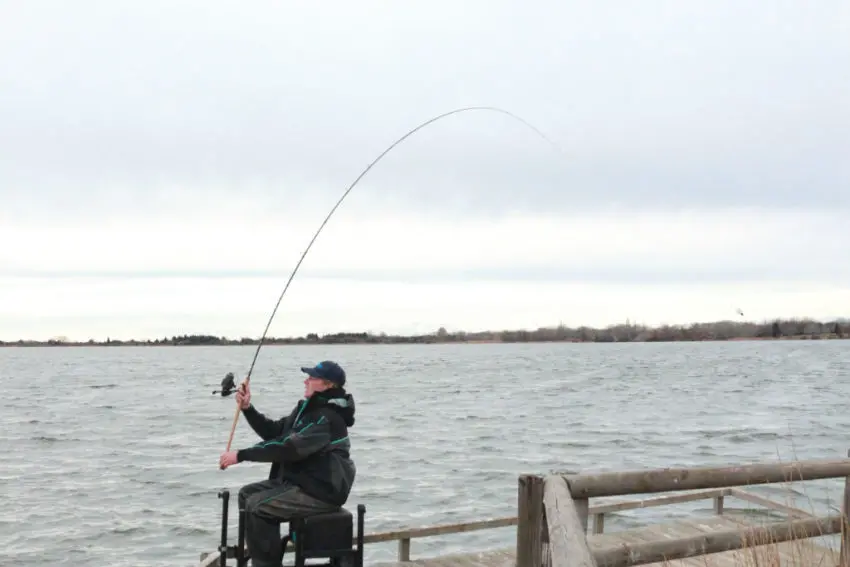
140, 344
788, 329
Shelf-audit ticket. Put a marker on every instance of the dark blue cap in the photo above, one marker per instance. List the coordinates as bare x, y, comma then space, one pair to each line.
327, 370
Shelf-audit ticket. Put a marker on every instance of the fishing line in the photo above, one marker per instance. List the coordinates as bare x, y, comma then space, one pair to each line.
339, 202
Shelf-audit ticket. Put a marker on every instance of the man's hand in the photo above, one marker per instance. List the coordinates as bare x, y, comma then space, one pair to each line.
227, 459
243, 396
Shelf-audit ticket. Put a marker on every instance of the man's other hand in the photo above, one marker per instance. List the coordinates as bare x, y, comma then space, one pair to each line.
227, 459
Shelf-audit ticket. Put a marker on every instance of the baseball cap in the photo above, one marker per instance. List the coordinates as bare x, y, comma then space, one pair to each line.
326, 370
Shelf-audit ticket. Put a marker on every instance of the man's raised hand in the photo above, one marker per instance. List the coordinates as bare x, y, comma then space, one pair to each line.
243, 396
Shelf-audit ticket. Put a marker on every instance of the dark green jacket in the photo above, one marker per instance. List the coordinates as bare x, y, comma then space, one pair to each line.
310, 446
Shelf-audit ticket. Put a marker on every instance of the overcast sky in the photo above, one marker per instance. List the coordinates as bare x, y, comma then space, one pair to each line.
164, 164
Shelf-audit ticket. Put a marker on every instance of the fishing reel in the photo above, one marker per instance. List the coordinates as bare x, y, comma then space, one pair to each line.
228, 386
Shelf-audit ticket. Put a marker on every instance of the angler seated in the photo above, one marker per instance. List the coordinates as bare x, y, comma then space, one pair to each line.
311, 472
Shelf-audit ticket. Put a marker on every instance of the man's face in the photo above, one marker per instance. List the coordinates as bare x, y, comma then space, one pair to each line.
313, 385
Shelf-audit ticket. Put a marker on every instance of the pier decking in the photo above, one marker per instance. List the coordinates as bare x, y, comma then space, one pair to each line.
786, 553
554, 517
782, 553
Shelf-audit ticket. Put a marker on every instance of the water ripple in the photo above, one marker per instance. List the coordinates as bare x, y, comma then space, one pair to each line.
118, 473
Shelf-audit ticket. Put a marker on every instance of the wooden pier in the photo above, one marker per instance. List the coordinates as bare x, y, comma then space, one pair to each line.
554, 517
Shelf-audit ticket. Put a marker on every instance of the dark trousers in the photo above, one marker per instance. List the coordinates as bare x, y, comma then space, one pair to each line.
268, 503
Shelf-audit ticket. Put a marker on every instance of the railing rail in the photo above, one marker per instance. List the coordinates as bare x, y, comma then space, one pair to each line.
593, 485
626, 555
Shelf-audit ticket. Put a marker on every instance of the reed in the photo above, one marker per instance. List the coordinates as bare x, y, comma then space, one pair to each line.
801, 551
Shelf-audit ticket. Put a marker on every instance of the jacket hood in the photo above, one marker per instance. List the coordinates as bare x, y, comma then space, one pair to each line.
340, 401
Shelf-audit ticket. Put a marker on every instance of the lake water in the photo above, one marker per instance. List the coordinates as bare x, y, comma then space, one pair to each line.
110, 455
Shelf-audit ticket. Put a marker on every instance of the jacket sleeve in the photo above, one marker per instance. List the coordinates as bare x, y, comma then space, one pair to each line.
295, 446
266, 428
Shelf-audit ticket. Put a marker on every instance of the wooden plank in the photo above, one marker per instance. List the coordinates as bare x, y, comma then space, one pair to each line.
443, 529
658, 501
567, 531
594, 485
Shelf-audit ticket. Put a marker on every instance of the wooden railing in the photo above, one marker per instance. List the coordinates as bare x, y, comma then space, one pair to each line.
405, 536
554, 512
533, 483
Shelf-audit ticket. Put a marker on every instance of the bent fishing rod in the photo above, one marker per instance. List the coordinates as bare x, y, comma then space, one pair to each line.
228, 385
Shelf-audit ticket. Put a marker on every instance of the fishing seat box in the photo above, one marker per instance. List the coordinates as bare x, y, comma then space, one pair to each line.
323, 535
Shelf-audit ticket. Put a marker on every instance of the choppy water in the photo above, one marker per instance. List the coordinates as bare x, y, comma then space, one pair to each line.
110, 454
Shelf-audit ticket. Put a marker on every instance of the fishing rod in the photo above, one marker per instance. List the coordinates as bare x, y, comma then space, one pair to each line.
228, 384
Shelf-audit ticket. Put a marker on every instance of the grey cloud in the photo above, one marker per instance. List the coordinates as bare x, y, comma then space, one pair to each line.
823, 266
667, 106
650, 275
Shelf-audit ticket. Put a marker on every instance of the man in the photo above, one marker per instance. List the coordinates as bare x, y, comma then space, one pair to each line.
311, 472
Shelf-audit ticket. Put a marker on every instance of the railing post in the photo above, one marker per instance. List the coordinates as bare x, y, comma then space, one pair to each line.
583, 511
844, 554
529, 541
598, 523
404, 549
718, 505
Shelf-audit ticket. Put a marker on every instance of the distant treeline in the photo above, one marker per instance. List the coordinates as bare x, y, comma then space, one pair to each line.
627, 332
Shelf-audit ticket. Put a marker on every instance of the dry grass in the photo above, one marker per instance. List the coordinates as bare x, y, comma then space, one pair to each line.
797, 552
803, 550
767, 552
